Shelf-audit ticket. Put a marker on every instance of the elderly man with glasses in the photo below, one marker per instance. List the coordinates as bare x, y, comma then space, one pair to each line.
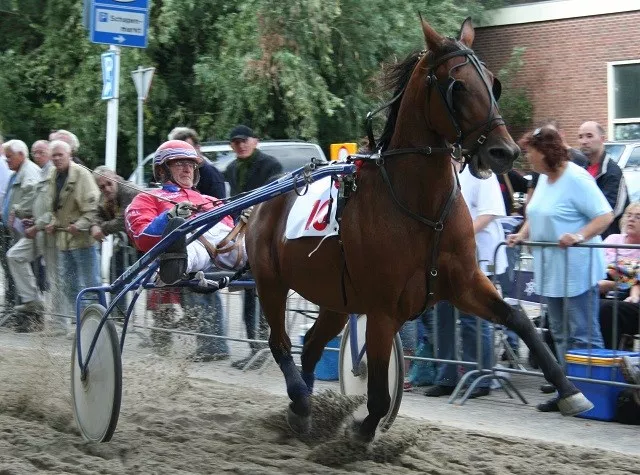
153, 215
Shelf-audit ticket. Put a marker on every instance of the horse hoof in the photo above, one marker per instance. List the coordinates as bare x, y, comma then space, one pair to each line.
574, 405
301, 425
358, 434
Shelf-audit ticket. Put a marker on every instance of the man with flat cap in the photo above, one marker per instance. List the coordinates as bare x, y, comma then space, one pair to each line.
250, 170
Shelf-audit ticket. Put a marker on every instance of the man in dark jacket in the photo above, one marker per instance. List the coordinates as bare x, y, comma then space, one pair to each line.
250, 170
607, 173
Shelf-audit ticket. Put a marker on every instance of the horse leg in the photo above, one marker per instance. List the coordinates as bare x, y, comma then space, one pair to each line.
484, 301
326, 327
380, 333
273, 298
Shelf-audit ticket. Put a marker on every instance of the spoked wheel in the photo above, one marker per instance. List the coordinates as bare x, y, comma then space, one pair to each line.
353, 380
97, 396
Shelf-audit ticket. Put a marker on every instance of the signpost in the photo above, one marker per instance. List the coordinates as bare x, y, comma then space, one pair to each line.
120, 22
142, 80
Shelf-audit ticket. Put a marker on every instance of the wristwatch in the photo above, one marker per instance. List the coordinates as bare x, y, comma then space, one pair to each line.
579, 237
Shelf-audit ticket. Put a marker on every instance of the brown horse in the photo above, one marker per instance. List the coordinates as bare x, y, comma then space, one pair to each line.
390, 261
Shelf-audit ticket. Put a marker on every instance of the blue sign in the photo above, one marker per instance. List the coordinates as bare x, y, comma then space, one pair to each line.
108, 75
119, 22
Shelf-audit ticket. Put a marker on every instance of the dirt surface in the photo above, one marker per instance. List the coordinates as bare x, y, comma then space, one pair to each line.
180, 417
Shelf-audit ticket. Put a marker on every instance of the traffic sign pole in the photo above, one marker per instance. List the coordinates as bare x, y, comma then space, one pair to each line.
111, 147
140, 175
110, 153
142, 80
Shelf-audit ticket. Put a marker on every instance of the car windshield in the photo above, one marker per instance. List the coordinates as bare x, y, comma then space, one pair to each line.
614, 150
220, 159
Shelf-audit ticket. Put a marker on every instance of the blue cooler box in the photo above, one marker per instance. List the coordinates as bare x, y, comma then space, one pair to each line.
605, 366
327, 367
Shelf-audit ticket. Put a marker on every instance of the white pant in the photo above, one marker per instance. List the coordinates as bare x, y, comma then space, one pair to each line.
199, 259
19, 258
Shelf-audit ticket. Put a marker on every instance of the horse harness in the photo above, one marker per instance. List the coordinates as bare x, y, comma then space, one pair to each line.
456, 150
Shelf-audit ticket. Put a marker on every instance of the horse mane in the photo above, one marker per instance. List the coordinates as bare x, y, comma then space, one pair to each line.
396, 79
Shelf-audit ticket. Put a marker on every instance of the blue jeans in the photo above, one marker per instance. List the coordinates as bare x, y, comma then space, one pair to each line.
208, 309
507, 282
583, 322
77, 270
409, 336
447, 374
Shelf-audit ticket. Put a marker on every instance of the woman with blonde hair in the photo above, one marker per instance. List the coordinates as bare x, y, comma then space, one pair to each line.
623, 279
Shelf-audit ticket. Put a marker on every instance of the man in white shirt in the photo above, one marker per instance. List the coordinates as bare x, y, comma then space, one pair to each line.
485, 203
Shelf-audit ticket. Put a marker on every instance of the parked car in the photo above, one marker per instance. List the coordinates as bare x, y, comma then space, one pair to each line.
627, 154
291, 153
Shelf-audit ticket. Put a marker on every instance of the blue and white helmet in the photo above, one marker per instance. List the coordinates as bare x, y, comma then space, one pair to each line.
174, 150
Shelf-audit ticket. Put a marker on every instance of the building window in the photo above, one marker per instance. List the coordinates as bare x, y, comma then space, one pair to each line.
624, 100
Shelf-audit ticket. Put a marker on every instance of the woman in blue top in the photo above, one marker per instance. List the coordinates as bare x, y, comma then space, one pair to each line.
566, 208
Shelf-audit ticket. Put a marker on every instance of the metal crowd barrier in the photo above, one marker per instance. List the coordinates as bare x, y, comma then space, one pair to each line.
524, 296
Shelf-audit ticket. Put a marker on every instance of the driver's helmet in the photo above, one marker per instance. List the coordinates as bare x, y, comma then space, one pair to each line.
175, 150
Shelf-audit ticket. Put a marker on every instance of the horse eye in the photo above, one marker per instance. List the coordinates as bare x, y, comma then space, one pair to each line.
496, 88
459, 86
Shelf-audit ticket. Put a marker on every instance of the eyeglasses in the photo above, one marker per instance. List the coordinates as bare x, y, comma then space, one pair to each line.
183, 164
635, 216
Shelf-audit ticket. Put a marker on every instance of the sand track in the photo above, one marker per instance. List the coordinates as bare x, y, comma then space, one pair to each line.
171, 423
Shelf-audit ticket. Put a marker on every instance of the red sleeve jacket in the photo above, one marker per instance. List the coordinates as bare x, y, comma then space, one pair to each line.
147, 216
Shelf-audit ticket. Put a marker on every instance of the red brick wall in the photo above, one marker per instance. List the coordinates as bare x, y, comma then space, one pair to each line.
565, 70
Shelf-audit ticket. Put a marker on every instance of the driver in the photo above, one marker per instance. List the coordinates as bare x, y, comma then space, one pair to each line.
153, 215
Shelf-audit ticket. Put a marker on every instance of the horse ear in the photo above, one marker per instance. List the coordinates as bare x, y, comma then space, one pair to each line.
467, 33
432, 37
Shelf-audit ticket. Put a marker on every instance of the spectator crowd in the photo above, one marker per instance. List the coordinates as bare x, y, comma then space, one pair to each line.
55, 213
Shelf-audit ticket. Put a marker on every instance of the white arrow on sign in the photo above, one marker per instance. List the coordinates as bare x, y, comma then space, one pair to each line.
119, 38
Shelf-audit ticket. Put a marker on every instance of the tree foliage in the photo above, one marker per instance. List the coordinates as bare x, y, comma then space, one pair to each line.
298, 69
515, 105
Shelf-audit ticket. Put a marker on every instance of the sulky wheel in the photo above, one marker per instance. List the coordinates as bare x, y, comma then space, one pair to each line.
96, 396
353, 381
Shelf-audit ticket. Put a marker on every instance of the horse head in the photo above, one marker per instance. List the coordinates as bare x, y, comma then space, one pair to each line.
461, 102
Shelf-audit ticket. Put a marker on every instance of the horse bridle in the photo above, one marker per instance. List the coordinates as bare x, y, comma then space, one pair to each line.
456, 150
446, 93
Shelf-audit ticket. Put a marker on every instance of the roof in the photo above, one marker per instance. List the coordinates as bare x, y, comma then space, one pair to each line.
549, 10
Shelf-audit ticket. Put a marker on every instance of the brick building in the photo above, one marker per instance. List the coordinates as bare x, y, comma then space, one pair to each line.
582, 60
